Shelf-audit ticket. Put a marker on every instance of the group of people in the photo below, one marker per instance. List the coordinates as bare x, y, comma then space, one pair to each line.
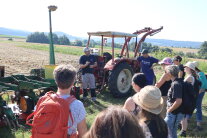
153, 111
138, 118
171, 88
170, 85
169, 92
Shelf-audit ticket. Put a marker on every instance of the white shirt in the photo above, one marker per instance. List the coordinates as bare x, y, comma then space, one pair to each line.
78, 114
190, 76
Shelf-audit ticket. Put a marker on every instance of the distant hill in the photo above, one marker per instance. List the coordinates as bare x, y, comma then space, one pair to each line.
13, 32
159, 42
173, 43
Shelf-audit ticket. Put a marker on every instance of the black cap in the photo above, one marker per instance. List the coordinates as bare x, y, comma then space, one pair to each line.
145, 51
177, 58
140, 80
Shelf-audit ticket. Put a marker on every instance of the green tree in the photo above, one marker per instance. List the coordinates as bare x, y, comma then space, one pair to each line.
180, 53
155, 49
85, 41
55, 38
150, 47
92, 43
37, 37
166, 50
78, 43
63, 40
190, 55
132, 46
10, 39
203, 49
144, 45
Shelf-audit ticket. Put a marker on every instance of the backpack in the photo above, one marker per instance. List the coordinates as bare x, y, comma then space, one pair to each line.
51, 117
189, 96
196, 86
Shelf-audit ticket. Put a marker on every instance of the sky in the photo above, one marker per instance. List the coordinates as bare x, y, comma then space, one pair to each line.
184, 20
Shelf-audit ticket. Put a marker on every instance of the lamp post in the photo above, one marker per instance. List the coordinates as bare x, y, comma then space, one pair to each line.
52, 54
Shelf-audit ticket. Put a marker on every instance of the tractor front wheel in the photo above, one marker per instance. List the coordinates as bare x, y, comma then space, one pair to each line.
26, 104
120, 80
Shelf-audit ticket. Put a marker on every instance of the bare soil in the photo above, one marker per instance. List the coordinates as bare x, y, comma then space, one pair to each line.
18, 60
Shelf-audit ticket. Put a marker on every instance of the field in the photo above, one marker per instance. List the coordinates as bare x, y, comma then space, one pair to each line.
11, 36
185, 50
21, 57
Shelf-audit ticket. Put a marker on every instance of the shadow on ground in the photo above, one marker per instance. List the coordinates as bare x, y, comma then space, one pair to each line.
104, 100
192, 132
5, 132
22, 132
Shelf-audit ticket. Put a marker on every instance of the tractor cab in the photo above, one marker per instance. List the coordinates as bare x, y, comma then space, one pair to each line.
110, 36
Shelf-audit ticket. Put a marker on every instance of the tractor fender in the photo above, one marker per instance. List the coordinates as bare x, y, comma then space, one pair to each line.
110, 66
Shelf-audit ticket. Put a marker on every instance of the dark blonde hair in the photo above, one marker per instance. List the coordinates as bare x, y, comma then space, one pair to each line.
147, 116
194, 74
115, 122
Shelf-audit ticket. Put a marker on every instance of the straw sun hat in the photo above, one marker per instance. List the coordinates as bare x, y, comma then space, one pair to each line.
149, 99
191, 65
196, 63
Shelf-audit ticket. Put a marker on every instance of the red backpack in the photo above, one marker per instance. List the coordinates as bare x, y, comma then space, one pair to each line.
51, 117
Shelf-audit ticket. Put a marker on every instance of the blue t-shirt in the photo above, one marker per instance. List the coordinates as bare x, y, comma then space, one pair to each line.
146, 66
84, 59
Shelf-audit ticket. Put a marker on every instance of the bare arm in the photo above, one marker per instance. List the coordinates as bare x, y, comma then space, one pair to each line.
82, 128
93, 66
180, 74
175, 105
129, 104
189, 79
161, 81
84, 65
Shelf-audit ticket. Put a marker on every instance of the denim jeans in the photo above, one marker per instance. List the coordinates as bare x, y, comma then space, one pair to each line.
172, 123
199, 107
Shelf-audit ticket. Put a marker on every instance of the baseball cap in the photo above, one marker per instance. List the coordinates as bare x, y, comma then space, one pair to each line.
86, 49
145, 51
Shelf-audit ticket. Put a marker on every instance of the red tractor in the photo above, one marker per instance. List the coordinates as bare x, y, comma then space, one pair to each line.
116, 72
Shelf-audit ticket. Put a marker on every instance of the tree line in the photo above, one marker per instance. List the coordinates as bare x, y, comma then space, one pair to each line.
41, 37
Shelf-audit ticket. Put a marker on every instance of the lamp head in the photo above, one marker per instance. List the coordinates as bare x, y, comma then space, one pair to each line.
52, 8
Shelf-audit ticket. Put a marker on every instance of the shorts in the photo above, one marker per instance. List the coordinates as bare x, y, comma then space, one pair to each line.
88, 81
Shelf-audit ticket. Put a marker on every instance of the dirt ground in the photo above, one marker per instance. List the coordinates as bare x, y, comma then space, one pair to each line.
19, 60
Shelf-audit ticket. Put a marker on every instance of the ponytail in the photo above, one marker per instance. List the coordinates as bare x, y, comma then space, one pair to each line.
194, 74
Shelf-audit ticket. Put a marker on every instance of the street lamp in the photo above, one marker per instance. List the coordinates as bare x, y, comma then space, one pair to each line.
52, 54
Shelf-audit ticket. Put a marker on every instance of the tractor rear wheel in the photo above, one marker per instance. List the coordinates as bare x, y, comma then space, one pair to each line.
120, 80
